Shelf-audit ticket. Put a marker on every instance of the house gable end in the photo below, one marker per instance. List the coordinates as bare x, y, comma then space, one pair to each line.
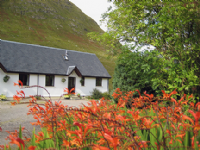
73, 68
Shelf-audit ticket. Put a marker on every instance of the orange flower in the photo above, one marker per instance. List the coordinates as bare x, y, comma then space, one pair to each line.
149, 95
15, 84
198, 106
181, 135
195, 115
167, 96
32, 147
147, 123
98, 147
66, 143
20, 82
17, 98
40, 137
69, 91
113, 141
17, 141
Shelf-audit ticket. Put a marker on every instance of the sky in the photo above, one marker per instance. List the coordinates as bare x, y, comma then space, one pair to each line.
93, 8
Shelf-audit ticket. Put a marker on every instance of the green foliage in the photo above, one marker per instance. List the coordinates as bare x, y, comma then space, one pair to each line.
96, 94
38, 97
178, 76
63, 80
172, 27
66, 96
151, 72
33, 138
6, 78
3, 97
106, 95
169, 26
136, 70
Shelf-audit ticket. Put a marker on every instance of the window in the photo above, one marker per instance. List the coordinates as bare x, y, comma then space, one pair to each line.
49, 80
98, 81
24, 78
82, 81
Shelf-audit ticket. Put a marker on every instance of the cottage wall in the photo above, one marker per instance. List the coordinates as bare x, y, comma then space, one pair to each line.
9, 89
90, 84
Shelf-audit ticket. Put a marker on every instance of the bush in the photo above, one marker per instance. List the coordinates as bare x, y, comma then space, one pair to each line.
96, 94
38, 97
66, 96
106, 95
3, 97
136, 70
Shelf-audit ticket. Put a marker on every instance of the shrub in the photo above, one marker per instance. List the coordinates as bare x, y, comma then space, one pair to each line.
66, 96
38, 97
88, 97
96, 94
3, 97
106, 95
136, 70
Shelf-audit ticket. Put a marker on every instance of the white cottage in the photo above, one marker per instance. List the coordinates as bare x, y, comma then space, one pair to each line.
49, 67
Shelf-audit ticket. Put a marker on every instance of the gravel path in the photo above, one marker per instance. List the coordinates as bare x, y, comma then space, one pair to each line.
12, 116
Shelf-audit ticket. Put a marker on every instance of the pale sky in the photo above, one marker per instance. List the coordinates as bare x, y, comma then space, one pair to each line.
93, 8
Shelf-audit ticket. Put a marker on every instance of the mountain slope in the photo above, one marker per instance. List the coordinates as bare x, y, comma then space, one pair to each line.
55, 23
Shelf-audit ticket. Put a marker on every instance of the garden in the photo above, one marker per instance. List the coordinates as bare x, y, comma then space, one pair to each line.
151, 123
154, 101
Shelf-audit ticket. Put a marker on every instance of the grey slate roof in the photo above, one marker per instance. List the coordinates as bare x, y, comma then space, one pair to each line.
29, 58
70, 69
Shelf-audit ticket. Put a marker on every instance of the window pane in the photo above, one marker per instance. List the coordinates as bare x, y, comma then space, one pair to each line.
49, 80
83, 81
24, 78
98, 81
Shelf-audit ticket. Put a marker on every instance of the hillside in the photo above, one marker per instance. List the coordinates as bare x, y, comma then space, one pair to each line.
55, 23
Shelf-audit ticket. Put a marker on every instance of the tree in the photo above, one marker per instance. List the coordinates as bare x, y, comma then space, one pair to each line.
173, 27
136, 70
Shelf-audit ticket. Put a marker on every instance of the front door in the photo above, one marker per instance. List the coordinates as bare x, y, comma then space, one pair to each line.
71, 83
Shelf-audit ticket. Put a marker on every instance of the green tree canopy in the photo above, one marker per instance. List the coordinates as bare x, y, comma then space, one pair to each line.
136, 70
172, 27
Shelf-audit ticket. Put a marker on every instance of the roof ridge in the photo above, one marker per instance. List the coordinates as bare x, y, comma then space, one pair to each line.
47, 47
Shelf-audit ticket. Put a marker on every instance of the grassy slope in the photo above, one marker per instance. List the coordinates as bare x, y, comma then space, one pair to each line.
55, 23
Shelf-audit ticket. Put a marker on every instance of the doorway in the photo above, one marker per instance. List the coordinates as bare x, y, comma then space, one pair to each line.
71, 83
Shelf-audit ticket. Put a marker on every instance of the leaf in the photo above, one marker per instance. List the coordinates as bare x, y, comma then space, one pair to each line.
33, 137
